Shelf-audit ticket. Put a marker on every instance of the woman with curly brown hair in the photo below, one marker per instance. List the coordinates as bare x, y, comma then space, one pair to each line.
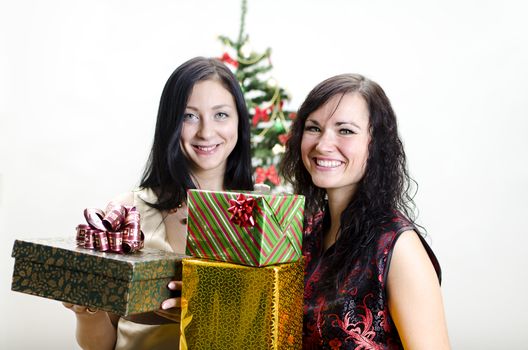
371, 280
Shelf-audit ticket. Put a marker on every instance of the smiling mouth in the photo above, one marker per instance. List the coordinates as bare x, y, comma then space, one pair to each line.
205, 149
327, 163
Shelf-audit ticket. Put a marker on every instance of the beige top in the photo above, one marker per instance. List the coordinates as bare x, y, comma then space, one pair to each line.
165, 334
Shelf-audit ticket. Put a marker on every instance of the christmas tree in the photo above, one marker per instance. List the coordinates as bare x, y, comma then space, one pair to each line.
265, 99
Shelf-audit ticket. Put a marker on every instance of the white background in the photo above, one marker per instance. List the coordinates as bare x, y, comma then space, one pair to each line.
79, 89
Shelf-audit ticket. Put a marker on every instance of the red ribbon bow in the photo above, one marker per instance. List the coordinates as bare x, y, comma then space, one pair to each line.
261, 114
228, 59
242, 210
270, 174
116, 229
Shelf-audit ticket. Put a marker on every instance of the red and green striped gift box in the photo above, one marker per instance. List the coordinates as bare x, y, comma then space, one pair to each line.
244, 227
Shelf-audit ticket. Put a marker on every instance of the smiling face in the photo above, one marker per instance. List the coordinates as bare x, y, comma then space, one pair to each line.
335, 140
210, 128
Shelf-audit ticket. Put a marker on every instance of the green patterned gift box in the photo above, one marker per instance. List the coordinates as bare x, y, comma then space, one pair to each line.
122, 284
244, 227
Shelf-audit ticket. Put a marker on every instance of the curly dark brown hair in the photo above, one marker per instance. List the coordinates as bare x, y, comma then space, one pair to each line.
386, 185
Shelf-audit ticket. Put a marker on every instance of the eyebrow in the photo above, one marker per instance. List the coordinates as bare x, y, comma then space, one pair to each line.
214, 107
336, 124
345, 123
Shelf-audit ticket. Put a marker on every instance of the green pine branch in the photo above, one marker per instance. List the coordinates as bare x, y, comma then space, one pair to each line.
253, 70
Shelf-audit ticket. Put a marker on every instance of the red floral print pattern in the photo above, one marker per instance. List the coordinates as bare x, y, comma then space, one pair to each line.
356, 316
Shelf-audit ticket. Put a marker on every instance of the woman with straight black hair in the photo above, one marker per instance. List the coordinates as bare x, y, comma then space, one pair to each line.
371, 280
168, 167
201, 140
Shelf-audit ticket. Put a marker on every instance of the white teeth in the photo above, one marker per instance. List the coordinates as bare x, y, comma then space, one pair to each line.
328, 163
205, 148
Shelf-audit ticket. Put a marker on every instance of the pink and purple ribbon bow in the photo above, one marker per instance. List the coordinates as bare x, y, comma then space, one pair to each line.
116, 229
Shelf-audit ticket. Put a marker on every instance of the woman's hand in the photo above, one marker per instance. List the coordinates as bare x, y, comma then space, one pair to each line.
170, 308
79, 309
173, 302
95, 329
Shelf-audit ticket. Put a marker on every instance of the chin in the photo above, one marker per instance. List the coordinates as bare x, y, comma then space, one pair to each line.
322, 184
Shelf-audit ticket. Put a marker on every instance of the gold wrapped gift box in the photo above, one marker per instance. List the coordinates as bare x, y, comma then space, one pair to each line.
229, 306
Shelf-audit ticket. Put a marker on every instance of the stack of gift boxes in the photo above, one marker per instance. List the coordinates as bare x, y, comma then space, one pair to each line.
242, 277
243, 288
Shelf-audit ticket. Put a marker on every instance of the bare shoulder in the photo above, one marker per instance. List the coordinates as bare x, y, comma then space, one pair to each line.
410, 256
409, 240
413, 285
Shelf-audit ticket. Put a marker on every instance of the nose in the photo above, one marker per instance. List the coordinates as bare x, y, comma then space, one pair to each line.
326, 142
205, 128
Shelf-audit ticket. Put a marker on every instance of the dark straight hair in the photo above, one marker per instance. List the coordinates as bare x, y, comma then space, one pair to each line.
167, 170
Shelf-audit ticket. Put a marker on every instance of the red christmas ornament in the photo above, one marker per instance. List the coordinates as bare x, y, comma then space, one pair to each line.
283, 138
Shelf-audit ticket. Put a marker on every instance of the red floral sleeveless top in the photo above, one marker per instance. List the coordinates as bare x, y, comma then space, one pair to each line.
357, 315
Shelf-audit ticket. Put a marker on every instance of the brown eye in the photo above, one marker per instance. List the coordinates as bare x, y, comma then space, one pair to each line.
311, 128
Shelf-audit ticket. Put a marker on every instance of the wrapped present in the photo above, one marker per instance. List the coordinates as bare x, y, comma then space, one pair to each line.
245, 228
118, 283
230, 306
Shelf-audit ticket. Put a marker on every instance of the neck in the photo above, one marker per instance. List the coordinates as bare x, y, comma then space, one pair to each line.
338, 200
212, 180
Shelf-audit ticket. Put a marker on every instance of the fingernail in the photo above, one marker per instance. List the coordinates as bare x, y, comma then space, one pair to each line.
171, 285
164, 306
